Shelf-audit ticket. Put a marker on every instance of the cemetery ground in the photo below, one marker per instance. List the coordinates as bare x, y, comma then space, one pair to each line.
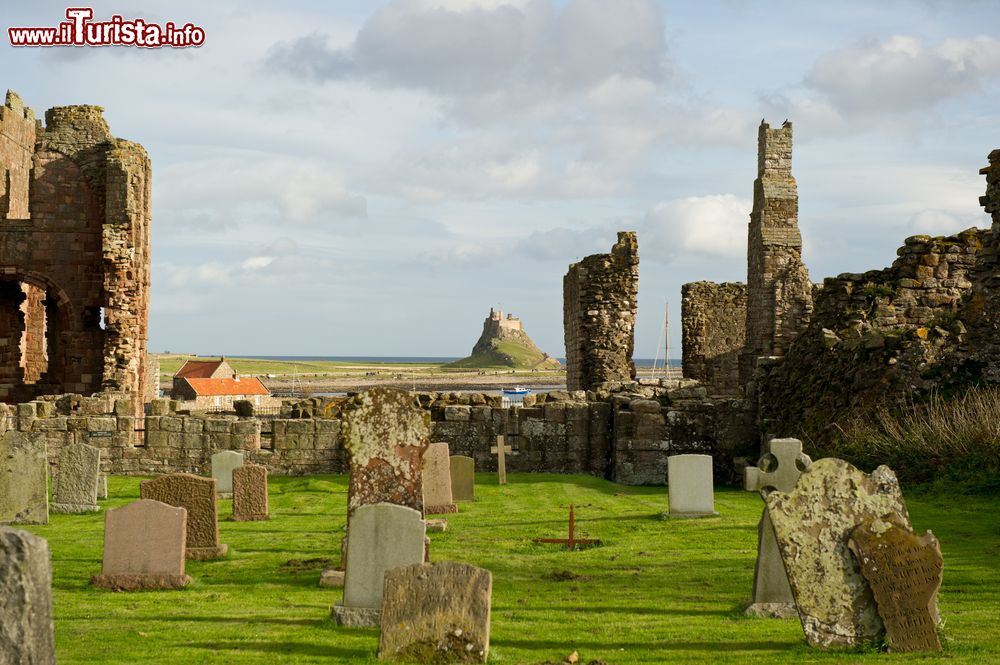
654, 591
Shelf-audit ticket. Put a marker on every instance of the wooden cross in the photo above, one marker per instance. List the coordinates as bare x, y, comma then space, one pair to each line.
500, 450
572, 541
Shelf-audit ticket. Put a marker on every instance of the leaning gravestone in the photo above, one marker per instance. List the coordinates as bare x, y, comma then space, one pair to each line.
250, 493
24, 477
144, 546
76, 485
904, 571
689, 480
812, 524
380, 537
437, 481
436, 612
223, 464
463, 478
197, 496
26, 633
779, 470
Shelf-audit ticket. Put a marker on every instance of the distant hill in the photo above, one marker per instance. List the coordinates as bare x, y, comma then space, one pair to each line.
505, 344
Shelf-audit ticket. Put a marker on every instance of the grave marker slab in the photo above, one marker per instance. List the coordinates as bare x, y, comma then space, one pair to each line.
102, 486
26, 631
689, 483
223, 464
812, 524
904, 571
437, 481
441, 609
463, 478
24, 476
250, 493
76, 484
380, 537
197, 496
501, 450
144, 547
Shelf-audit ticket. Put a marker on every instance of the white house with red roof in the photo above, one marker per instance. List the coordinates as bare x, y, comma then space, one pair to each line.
213, 384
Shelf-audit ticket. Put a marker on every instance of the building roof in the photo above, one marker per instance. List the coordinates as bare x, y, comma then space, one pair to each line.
248, 386
198, 369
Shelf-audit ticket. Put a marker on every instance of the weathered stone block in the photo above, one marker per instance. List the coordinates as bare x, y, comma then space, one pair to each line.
26, 629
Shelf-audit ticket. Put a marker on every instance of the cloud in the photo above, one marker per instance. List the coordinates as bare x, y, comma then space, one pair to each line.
710, 226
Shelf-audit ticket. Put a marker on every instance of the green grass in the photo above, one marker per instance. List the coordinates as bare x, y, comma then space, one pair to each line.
506, 354
257, 366
656, 591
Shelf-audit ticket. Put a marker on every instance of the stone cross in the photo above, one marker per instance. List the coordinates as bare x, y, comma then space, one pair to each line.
501, 450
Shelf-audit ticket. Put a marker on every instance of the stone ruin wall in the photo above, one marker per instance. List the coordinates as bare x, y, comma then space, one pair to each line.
713, 320
599, 310
74, 249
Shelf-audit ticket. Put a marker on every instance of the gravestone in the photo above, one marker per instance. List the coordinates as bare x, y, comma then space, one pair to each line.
436, 612
501, 450
24, 476
437, 481
779, 469
102, 486
689, 483
463, 478
197, 496
904, 571
381, 537
385, 435
250, 493
76, 484
223, 464
144, 547
812, 524
26, 632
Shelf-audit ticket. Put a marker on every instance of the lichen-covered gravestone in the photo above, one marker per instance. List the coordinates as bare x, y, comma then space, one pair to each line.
437, 481
904, 571
144, 545
689, 484
197, 496
223, 464
779, 470
381, 537
436, 612
26, 633
812, 524
24, 477
463, 478
250, 493
76, 485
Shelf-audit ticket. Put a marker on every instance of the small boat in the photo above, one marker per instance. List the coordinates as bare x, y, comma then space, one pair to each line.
516, 390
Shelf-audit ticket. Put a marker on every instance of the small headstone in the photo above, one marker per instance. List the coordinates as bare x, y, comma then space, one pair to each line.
102, 486
501, 450
76, 485
779, 469
689, 483
437, 525
437, 481
144, 544
250, 493
223, 464
380, 537
904, 571
332, 578
24, 477
197, 496
26, 632
436, 612
463, 478
812, 524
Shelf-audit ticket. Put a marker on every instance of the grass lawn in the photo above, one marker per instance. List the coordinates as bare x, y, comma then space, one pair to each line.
656, 591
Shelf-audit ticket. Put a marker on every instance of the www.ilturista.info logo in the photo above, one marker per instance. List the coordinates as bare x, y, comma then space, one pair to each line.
79, 30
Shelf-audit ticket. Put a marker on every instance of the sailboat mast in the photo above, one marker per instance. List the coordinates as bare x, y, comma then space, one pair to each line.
666, 336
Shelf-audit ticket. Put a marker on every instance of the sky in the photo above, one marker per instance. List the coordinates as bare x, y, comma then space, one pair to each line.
369, 178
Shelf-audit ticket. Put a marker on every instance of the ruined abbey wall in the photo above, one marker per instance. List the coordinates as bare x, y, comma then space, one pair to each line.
714, 331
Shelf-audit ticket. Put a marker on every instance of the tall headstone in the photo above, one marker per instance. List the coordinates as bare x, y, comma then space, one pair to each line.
689, 483
380, 537
812, 524
904, 571
779, 469
26, 633
463, 478
442, 608
437, 480
250, 493
102, 486
197, 496
76, 484
24, 476
223, 464
501, 450
385, 434
144, 544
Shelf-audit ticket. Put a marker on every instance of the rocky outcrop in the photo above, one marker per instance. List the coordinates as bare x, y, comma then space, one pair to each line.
504, 343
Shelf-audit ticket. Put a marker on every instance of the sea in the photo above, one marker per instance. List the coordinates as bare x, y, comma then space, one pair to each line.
639, 362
